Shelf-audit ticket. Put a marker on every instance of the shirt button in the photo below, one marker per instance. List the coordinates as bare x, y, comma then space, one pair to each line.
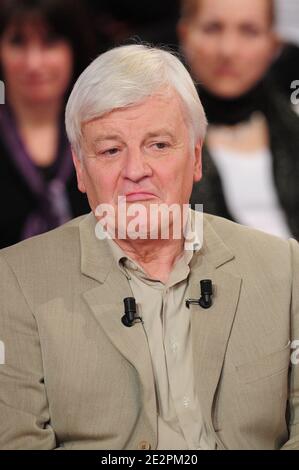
186, 402
144, 445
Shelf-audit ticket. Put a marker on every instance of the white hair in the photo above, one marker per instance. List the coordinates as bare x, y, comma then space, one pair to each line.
124, 76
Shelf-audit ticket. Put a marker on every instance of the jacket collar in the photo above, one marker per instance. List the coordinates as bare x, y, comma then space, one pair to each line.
97, 260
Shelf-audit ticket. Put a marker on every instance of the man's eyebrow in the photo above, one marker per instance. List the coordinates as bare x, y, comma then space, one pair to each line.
152, 134
100, 137
160, 132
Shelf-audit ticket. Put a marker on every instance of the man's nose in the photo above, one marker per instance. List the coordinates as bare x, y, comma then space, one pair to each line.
136, 166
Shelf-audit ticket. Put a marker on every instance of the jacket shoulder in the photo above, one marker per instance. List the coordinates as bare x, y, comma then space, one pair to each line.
240, 239
46, 248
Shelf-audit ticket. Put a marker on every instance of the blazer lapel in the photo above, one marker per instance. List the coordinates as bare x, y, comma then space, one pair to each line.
106, 304
211, 327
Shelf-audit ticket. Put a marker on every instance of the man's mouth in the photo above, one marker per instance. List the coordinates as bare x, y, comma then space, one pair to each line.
139, 196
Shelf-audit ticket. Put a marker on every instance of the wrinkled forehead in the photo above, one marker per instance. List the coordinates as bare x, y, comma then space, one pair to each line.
165, 105
157, 113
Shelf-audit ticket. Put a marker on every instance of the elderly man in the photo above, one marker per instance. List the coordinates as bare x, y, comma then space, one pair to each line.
198, 354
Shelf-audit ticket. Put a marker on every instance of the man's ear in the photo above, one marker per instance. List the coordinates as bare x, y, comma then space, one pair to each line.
197, 161
79, 172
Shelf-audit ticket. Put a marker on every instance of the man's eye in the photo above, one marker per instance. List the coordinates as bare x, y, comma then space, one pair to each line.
110, 152
161, 145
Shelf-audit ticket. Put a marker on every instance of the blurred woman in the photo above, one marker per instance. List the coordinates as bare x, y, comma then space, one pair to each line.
44, 45
251, 156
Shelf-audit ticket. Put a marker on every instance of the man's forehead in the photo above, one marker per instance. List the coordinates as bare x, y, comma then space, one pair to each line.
154, 115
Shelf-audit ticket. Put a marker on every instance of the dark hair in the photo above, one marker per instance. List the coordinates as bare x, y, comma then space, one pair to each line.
68, 19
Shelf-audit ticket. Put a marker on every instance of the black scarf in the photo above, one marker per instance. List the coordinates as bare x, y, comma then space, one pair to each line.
228, 111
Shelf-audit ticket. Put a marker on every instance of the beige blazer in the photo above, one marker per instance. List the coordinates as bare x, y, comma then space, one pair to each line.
75, 378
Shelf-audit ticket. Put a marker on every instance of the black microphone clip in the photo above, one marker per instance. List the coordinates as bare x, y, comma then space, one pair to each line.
206, 291
130, 316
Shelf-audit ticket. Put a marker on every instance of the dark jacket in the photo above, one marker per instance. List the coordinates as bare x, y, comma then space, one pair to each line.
18, 200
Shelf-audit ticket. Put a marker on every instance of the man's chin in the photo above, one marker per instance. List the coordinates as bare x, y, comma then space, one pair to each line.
142, 220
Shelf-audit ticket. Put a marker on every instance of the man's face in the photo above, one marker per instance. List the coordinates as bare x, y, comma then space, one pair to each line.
229, 44
142, 153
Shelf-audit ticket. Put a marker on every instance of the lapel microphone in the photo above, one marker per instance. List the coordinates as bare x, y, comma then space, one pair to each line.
130, 316
206, 291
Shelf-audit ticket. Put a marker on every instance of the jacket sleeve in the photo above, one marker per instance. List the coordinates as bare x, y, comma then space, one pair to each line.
293, 442
24, 411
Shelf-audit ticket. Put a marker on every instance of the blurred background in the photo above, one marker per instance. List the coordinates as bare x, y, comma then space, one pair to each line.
244, 58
